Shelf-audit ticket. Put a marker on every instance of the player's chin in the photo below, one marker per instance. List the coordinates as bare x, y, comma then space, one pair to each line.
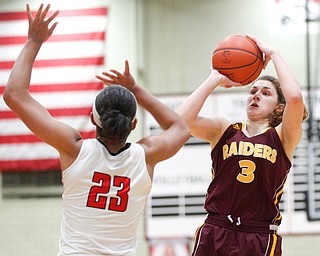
252, 111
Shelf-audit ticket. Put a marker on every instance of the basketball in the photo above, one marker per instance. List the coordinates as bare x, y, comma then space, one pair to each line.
238, 58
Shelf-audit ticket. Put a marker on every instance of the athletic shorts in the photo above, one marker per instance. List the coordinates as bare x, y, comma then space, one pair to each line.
219, 240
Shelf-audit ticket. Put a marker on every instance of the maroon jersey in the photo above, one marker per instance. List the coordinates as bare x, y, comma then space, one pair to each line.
249, 174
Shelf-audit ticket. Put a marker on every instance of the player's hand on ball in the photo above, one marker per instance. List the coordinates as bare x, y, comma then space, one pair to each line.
264, 48
224, 81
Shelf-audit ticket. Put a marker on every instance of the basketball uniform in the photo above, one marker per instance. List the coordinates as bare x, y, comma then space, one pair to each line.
248, 176
103, 199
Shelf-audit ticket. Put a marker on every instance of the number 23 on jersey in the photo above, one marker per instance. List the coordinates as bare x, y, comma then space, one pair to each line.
98, 195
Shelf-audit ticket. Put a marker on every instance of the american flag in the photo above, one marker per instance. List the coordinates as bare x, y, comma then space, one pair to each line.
62, 80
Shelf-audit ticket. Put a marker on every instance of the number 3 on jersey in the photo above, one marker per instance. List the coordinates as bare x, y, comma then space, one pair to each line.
98, 197
247, 171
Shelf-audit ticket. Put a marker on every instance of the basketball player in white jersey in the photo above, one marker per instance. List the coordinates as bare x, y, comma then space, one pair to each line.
106, 179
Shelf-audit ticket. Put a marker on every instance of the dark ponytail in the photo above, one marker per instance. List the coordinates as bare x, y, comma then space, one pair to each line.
117, 108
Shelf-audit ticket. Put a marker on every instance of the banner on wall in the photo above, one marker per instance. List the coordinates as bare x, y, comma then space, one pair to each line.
62, 80
288, 17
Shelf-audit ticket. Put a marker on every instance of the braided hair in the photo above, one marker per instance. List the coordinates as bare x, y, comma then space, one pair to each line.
116, 107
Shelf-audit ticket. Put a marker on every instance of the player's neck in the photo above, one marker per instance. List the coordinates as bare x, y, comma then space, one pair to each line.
113, 145
256, 127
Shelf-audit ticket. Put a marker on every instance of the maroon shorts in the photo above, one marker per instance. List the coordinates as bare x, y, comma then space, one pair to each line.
213, 239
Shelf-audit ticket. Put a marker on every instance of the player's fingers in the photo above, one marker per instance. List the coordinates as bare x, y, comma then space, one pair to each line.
38, 14
126, 68
45, 11
104, 80
52, 28
30, 18
266, 61
111, 76
116, 72
52, 17
253, 38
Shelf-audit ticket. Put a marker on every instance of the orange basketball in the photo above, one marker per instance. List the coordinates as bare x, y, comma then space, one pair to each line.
238, 58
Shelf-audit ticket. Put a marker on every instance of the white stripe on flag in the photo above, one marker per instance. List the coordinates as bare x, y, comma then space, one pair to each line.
26, 151
56, 75
75, 99
58, 50
66, 25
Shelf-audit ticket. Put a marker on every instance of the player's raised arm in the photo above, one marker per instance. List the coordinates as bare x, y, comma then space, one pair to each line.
290, 129
17, 95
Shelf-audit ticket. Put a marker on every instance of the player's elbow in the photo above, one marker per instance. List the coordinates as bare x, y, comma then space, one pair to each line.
15, 99
295, 99
186, 134
185, 114
184, 131
9, 96
296, 102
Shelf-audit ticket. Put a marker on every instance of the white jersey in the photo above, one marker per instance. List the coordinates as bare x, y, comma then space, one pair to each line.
104, 197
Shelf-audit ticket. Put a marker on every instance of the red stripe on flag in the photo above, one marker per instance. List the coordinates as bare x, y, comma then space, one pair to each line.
10, 139
70, 112
59, 62
54, 112
99, 36
31, 138
30, 165
89, 86
10, 16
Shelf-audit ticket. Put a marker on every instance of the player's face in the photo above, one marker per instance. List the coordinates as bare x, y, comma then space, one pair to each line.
262, 100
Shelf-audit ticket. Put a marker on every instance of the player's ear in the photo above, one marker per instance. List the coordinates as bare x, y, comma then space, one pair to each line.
134, 123
92, 119
280, 107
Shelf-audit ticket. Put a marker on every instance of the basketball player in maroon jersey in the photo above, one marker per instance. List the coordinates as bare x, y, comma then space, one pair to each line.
250, 161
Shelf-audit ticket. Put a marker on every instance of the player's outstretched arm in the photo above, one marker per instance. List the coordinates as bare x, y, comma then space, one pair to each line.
17, 95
